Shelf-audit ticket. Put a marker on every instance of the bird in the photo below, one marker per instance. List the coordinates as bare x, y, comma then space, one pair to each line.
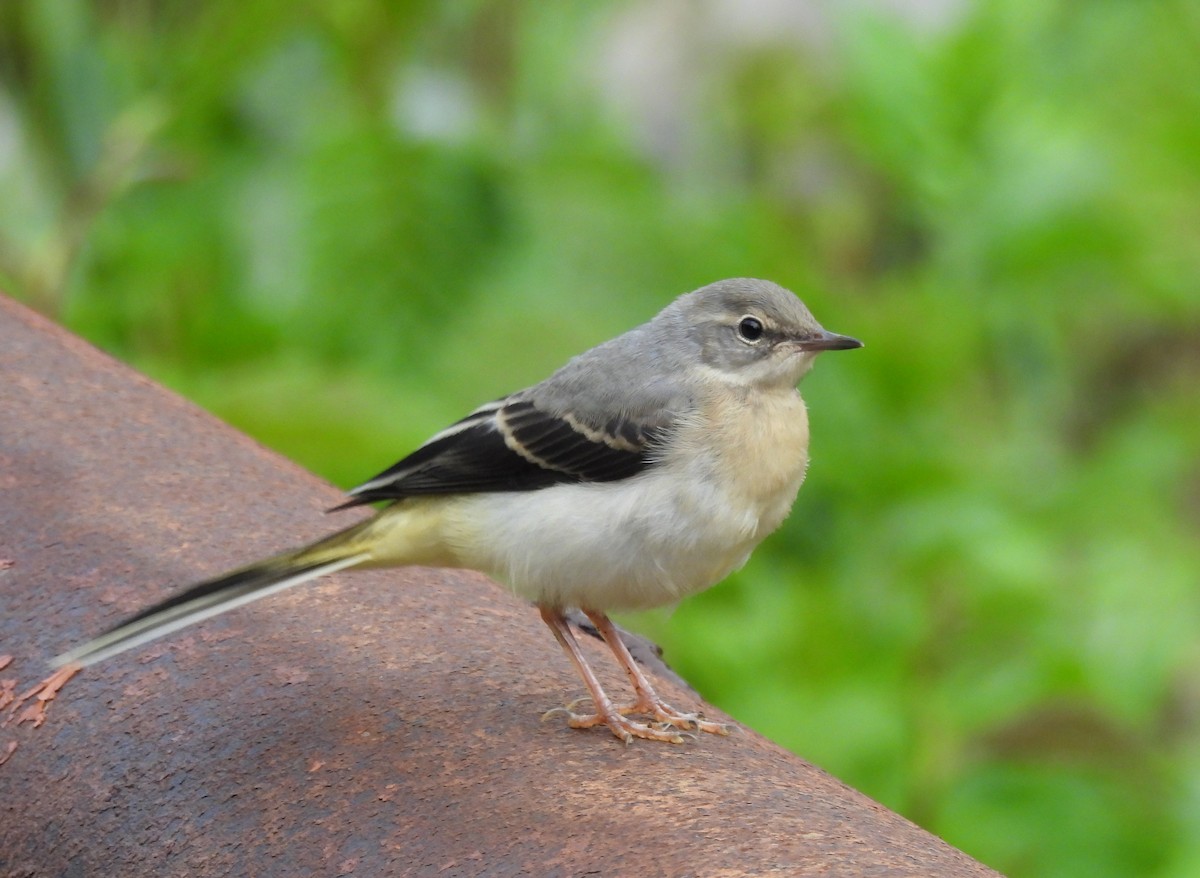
644, 470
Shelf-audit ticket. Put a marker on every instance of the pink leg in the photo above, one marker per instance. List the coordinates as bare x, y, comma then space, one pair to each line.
648, 701
624, 728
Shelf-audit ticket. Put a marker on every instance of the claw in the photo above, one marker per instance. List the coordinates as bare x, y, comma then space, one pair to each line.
622, 727
555, 711
665, 715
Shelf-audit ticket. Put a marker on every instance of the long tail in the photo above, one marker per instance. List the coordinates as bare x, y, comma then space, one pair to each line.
214, 596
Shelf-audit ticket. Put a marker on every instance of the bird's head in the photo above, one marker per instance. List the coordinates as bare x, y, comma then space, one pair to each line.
753, 332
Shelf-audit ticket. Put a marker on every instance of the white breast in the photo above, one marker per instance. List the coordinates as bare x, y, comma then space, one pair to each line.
678, 528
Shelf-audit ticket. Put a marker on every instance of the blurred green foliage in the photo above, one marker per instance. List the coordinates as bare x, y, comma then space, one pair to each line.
340, 225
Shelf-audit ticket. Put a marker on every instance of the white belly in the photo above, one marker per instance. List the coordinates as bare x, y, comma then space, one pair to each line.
650, 540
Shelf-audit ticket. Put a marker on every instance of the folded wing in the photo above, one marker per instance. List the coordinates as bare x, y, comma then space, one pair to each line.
512, 445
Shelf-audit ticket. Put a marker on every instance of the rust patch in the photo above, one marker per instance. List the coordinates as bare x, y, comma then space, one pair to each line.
44, 692
291, 676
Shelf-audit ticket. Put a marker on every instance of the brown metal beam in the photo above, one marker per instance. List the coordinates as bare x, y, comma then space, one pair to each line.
373, 724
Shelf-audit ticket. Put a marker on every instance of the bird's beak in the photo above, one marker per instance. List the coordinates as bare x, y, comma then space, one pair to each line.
828, 341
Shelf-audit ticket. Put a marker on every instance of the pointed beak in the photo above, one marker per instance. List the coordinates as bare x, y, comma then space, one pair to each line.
828, 341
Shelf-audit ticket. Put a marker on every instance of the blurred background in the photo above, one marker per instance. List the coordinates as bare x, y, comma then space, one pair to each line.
341, 225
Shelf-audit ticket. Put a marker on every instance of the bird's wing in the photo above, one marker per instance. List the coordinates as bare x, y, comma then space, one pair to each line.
513, 445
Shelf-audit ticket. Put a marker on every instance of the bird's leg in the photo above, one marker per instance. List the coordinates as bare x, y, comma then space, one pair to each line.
648, 701
621, 726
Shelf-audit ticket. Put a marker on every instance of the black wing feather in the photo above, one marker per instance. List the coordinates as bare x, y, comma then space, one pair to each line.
539, 450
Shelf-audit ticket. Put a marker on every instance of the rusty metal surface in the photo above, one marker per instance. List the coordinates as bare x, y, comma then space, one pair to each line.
382, 723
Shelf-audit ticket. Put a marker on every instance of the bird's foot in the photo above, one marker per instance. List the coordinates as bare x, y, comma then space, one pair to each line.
667, 716
620, 725
668, 722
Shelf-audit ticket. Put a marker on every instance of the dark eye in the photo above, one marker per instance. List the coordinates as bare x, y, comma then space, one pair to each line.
750, 329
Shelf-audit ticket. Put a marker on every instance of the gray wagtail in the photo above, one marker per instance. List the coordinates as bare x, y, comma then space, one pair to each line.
644, 470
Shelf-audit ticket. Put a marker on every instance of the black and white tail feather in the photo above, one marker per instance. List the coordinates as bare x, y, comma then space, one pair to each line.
215, 596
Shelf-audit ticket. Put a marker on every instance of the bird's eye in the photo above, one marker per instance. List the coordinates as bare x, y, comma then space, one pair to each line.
750, 329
